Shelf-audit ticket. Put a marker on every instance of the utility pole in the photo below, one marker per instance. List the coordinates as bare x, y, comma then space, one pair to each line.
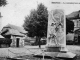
0, 21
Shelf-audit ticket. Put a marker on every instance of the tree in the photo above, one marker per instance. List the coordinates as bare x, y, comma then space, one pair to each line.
36, 23
3, 3
69, 26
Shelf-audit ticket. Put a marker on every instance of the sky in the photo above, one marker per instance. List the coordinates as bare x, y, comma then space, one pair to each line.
16, 10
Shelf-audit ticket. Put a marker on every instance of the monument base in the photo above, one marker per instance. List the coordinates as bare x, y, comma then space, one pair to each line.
60, 52
67, 55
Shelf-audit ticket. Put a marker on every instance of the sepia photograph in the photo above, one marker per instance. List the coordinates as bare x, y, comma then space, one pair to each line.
39, 30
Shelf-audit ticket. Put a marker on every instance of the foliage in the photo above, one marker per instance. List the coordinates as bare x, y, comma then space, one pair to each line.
36, 22
5, 41
3, 2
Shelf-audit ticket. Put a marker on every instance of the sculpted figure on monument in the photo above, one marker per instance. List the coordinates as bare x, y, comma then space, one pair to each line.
56, 27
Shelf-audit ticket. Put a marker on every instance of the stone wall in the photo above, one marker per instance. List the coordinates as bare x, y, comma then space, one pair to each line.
14, 41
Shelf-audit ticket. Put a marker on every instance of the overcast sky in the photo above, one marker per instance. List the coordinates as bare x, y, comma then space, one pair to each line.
16, 10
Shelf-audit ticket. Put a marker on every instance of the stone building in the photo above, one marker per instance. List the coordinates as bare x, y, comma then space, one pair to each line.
17, 34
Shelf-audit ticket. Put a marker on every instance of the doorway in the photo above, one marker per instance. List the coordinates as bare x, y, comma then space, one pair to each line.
17, 42
78, 39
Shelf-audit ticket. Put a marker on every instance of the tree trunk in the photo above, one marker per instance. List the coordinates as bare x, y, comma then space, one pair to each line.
36, 42
39, 42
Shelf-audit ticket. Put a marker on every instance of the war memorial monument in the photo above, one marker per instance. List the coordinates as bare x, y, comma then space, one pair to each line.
56, 35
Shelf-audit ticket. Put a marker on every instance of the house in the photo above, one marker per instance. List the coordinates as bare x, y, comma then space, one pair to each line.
75, 17
17, 34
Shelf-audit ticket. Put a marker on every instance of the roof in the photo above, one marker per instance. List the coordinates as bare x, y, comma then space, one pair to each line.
20, 29
13, 30
73, 15
77, 31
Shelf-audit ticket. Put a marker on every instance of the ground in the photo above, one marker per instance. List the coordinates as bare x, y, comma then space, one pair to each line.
28, 51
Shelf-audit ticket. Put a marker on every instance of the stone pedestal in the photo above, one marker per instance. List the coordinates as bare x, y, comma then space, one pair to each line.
56, 35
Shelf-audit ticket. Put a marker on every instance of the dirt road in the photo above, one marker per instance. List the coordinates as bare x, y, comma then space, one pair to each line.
30, 50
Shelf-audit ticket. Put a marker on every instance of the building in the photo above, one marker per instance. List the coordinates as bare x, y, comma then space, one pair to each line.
75, 17
76, 24
17, 34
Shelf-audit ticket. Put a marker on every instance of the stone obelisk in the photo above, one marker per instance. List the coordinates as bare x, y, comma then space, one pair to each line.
56, 34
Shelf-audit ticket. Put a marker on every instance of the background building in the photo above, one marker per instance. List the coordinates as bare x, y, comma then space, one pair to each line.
75, 17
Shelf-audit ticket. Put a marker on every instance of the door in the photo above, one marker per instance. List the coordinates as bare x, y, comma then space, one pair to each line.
17, 42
